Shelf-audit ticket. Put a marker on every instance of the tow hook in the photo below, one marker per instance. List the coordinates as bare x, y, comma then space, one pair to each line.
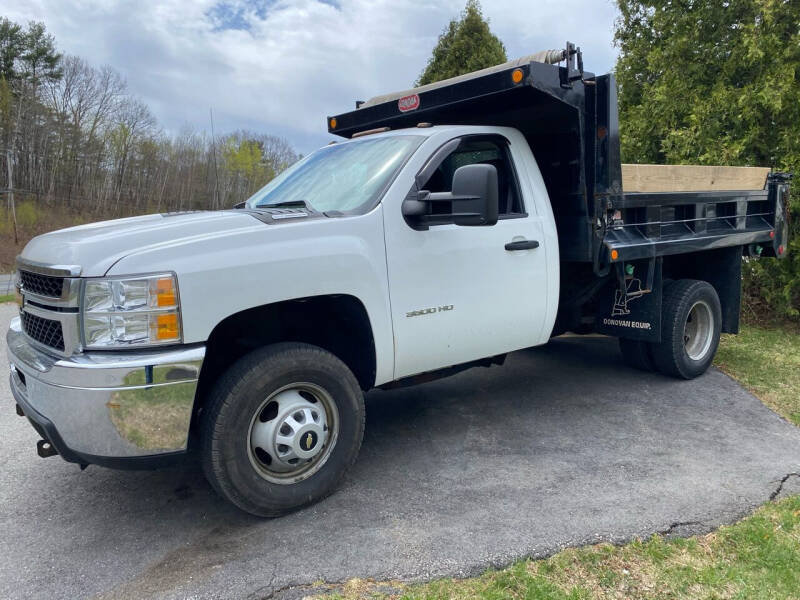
45, 449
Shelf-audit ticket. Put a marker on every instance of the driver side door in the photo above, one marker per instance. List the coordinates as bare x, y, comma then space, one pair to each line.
461, 293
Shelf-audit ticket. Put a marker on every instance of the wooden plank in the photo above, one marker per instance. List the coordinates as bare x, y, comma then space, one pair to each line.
692, 178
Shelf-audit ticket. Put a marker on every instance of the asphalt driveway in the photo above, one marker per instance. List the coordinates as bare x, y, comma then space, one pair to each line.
561, 446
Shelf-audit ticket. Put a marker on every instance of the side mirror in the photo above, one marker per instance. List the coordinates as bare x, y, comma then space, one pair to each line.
473, 201
475, 195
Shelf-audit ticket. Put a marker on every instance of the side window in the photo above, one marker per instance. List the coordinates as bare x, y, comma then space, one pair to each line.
476, 150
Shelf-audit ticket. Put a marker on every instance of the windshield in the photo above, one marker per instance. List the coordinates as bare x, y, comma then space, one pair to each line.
340, 177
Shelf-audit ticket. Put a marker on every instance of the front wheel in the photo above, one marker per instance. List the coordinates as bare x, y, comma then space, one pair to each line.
282, 427
690, 329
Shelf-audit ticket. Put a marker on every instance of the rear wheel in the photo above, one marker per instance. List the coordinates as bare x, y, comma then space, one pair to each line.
637, 354
282, 427
690, 329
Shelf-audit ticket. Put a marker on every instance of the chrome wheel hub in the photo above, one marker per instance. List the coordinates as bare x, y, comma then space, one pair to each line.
698, 333
292, 433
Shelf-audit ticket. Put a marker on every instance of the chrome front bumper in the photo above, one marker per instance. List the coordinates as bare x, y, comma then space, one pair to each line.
106, 405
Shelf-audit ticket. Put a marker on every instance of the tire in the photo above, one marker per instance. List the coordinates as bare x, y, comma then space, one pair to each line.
294, 393
637, 354
691, 321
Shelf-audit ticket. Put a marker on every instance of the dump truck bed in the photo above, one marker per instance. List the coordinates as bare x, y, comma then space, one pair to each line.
672, 209
605, 211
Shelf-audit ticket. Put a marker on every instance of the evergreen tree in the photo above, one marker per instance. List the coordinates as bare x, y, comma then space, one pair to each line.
467, 44
28, 54
40, 61
12, 42
716, 83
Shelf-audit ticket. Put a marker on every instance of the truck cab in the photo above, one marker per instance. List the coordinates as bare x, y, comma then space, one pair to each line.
462, 293
450, 225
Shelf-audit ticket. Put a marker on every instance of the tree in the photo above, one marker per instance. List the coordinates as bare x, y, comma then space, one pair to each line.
467, 44
249, 161
76, 145
709, 82
40, 61
12, 42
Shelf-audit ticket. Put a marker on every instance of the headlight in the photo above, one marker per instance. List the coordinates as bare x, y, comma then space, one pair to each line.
131, 311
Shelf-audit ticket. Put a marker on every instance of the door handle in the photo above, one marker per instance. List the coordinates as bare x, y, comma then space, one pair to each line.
522, 245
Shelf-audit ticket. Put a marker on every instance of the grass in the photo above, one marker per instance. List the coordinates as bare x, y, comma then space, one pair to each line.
7, 298
756, 558
767, 362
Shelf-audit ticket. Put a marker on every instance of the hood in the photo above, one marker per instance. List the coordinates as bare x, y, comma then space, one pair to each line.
97, 246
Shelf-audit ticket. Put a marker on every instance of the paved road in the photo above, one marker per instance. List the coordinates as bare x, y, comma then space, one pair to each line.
561, 446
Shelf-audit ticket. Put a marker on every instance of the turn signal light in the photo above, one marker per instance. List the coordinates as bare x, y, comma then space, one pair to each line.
516, 75
166, 295
167, 327
614, 255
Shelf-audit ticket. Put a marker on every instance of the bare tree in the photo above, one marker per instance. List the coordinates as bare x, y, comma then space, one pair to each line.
73, 137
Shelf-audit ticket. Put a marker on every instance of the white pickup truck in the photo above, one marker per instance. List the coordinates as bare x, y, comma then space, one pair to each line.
453, 224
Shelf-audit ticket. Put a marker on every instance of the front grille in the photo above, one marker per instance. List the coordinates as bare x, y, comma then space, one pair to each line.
41, 285
44, 331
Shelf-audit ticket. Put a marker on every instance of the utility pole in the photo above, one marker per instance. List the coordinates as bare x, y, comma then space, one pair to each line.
214, 150
11, 205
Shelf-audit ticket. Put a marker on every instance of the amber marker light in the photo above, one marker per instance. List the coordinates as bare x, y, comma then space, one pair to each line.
516, 75
166, 294
167, 327
614, 255
332, 122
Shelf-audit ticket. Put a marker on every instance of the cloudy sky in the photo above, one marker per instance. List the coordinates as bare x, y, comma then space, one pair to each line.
281, 66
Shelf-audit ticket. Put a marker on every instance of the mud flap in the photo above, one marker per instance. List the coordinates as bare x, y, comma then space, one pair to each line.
630, 305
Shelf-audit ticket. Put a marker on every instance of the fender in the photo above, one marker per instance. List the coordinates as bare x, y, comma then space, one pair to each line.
253, 267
